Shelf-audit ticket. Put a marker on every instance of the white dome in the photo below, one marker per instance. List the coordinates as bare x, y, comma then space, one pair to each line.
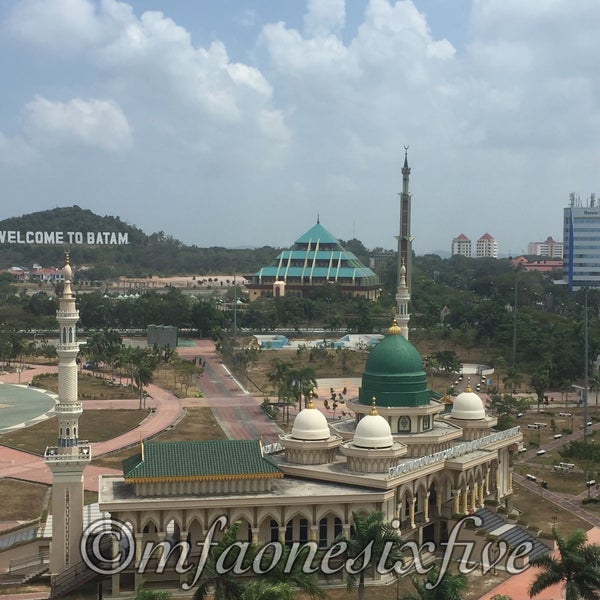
310, 424
373, 431
468, 405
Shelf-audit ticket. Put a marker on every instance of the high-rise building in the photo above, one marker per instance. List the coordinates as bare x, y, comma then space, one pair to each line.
487, 247
547, 248
581, 252
461, 246
68, 458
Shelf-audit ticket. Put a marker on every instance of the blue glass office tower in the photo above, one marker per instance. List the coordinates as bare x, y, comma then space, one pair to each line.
581, 260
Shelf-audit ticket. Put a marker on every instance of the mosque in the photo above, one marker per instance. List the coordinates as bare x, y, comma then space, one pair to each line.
400, 453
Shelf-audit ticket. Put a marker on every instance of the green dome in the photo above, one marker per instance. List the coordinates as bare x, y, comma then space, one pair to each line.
394, 373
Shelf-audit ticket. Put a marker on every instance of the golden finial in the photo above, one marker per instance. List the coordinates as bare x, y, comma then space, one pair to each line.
468, 388
142, 447
373, 412
67, 254
394, 329
310, 404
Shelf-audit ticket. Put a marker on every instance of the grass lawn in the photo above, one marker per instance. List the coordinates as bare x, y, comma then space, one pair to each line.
197, 424
98, 425
89, 387
21, 500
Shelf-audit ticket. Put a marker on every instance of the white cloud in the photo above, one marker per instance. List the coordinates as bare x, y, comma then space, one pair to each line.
96, 123
59, 25
319, 110
324, 17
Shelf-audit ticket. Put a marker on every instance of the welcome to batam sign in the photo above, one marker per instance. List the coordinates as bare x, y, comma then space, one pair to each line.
96, 238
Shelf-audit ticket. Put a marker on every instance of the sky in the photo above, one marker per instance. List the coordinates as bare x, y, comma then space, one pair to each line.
239, 124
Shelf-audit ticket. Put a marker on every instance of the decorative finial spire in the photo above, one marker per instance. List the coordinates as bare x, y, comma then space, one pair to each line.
406, 156
468, 388
373, 412
310, 404
67, 254
318, 219
395, 329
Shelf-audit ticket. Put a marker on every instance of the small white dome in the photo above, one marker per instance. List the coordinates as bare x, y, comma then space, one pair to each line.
468, 405
310, 424
373, 431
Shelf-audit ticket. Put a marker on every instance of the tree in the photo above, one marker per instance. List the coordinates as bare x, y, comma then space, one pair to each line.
302, 383
539, 383
577, 566
448, 361
265, 590
144, 594
449, 586
372, 532
293, 575
220, 584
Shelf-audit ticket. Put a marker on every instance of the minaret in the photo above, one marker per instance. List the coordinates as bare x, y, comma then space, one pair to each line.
68, 458
404, 251
402, 300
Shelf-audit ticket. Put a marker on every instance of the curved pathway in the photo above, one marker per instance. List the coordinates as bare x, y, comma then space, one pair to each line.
17, 464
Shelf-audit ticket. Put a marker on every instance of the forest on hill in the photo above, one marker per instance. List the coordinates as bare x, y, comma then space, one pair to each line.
155, 254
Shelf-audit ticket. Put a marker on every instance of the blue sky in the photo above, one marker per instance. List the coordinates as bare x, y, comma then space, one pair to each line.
234, 123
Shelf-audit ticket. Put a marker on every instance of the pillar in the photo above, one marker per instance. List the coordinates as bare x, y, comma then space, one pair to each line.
455, 501
465, 499
426, 507
255, 532
411, 510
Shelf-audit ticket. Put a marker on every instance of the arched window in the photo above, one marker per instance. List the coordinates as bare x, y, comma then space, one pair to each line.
323, 532
403, 424
274, 530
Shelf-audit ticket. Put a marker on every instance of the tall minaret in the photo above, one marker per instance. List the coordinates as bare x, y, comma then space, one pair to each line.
68, 458
404, 252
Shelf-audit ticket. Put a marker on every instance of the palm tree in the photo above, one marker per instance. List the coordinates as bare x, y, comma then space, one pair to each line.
578, 566
219, 585
369, 530
449, 586
265, 590
294, 574
303, 382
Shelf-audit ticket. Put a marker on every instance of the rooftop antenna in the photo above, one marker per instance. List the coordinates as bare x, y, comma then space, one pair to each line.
592, 200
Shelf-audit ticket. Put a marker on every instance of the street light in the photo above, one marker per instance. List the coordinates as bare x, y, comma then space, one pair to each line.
495, 552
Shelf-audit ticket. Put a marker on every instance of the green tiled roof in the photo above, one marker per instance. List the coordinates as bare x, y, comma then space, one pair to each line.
317, 257
317, 233
215, 459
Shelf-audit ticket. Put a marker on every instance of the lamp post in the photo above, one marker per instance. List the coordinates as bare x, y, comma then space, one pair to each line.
495, 552
585, 373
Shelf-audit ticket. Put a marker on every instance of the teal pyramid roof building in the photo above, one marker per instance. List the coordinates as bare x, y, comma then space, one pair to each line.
315, 260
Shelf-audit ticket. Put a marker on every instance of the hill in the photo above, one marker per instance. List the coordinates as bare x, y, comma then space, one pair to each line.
109, 247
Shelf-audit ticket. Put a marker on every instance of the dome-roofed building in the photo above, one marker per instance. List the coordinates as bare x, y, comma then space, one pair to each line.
394, 375
310, 442
468, 413
372, 449
317, 259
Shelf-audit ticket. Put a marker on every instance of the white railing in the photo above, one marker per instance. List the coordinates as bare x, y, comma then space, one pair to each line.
450, 453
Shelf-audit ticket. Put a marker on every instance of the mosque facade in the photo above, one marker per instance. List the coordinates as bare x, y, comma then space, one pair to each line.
399, 454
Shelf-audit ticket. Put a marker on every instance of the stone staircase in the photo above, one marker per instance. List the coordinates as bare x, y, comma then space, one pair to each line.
510, 533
